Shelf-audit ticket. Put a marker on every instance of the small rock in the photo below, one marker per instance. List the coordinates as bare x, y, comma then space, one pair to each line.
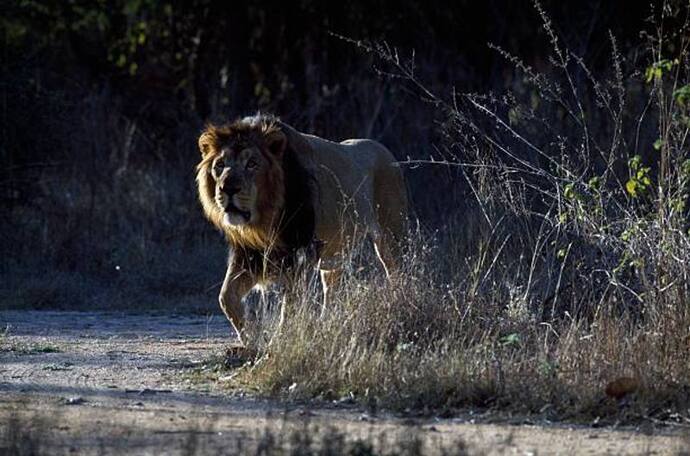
76, 400
347, 399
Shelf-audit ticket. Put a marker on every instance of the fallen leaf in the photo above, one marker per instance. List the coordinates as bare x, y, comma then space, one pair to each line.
621, 387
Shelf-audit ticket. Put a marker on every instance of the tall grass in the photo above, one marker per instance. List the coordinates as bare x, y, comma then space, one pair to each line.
574, 275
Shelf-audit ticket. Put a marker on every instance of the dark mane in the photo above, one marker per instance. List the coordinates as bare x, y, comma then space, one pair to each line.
297, 226
296, 222
299, 218
247, 129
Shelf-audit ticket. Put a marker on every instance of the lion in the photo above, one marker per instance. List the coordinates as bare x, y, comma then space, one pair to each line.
275, 192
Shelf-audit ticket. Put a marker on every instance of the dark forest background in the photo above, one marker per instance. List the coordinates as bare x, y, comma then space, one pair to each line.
101, 103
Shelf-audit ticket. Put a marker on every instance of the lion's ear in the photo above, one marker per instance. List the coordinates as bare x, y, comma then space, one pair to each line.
206, 141
276, 143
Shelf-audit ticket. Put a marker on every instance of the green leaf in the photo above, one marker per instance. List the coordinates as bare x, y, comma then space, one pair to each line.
569, 191
510, 339
656, 70
678, 204
685, 167
547, 368
658, 144
631, 187
634, 162
594, 183
513, 116
682, 95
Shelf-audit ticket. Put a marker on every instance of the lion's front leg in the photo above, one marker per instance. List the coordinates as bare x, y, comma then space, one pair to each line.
238, 281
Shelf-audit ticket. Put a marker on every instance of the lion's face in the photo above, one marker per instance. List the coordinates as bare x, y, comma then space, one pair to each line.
241, 180
236, 173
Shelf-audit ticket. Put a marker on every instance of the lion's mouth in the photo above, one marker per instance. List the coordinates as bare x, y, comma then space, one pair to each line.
231, 209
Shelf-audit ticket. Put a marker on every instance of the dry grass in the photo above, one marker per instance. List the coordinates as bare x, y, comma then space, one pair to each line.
421, 344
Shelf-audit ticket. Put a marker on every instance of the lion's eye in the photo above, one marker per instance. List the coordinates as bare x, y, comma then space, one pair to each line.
218, 168
252, 164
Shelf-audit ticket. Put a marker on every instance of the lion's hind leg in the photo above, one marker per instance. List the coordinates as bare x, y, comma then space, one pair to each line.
391, 206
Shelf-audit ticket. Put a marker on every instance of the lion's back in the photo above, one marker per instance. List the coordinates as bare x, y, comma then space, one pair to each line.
365, 171
351, 158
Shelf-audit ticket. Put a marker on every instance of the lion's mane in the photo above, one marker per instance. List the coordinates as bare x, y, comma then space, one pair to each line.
287, 190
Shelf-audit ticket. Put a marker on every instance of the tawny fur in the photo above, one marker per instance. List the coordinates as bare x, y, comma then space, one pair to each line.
311, 193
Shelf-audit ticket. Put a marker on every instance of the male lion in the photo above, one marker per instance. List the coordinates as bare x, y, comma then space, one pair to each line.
275, 191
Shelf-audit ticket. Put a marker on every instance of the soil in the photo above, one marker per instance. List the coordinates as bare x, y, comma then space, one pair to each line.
111, 383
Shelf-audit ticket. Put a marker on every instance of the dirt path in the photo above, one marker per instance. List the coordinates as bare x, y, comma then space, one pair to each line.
107, 383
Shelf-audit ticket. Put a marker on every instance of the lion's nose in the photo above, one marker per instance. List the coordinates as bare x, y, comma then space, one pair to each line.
230, 190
